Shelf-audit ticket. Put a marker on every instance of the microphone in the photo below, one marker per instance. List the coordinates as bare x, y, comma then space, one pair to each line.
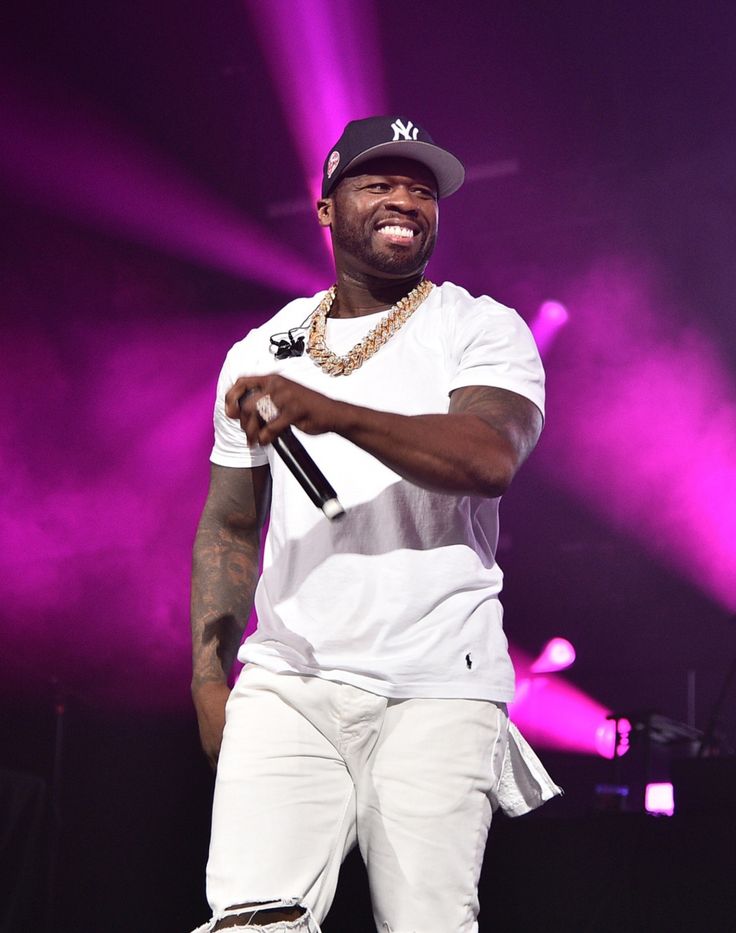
300, 464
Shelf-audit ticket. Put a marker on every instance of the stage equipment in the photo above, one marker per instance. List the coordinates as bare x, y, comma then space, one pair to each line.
659, 799
650, 742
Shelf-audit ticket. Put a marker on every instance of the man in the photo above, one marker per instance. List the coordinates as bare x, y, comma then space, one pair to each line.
371, 707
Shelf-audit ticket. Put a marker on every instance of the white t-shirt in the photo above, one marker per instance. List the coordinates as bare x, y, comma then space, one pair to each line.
400, 596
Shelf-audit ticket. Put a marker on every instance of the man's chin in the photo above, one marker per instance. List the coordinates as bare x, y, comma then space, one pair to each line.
398, 264
383, 260
398, 270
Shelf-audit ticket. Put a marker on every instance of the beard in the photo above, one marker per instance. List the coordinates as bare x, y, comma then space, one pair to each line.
352, 238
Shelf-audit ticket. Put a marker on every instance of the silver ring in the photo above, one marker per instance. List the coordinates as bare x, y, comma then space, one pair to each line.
266, 408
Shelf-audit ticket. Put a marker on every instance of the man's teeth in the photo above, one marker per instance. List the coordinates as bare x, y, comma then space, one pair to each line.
397, 231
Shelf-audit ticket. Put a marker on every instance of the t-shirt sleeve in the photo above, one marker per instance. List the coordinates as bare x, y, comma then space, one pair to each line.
231, 445
493, 346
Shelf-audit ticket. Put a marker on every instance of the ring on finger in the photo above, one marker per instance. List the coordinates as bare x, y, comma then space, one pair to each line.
266, 408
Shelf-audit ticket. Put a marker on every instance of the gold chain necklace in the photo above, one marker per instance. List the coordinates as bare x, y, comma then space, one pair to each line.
335, 365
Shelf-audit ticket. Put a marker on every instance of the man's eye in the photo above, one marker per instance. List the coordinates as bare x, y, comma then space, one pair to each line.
378, 186
425, 193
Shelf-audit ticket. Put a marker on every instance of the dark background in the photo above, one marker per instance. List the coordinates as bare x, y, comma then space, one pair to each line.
615, 123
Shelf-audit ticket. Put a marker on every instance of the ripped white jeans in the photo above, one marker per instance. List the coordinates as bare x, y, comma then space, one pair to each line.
309, 767
246, 917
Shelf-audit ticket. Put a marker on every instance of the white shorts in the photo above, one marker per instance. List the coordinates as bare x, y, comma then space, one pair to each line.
309, 768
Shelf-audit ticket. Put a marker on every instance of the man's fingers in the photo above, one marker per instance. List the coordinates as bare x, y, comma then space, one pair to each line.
250, 409
266, 409
250, 424
266, 405
254, 387
267, 432
237, 390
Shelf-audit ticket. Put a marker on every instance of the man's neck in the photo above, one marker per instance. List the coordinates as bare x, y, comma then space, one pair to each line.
357, 296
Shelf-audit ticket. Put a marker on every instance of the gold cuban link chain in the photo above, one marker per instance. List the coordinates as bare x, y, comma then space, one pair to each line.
335, 365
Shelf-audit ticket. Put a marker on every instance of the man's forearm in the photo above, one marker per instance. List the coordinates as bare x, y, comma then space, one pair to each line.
457, 453
476, 448
224, 578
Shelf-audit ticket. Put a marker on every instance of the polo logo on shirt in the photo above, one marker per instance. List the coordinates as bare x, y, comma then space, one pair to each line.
406, 132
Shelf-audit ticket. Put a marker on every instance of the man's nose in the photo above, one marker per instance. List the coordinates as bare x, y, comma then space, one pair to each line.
402, 199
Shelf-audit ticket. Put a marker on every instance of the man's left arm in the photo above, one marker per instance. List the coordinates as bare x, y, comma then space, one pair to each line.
474, 449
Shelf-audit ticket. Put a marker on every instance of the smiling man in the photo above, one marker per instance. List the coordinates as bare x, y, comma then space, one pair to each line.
371, 709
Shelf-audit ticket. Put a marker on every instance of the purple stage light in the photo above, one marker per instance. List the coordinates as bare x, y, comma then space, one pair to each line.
550, 317
611, 742
659, 799
554, 713
556, 655
98, 508
642, 425
78, 163
326, 66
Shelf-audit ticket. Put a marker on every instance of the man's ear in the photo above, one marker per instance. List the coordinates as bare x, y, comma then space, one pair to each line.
324, 212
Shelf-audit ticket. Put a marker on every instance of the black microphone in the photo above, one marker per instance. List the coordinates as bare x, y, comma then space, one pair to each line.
300, 464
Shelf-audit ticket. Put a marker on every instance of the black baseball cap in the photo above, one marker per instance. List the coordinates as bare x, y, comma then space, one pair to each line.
374, 137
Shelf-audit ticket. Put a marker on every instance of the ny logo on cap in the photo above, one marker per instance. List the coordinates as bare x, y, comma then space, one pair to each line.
407, 132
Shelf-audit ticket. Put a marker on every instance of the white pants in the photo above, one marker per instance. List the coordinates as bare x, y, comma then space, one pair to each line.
309, 767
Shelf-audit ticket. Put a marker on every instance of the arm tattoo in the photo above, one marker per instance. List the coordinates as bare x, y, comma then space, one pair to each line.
514, 417
225, 571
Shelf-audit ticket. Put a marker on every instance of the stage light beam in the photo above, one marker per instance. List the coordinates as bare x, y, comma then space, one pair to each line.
642, 415
550, 318
553, 713
79, 163
556, 655
337, 45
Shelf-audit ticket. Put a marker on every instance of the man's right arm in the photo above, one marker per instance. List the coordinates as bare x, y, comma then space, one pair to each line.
225, 573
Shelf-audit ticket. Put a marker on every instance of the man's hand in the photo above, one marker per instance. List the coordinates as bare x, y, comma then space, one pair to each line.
309, 411
209, 701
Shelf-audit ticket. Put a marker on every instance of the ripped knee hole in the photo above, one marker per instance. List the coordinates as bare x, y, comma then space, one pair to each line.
254, 915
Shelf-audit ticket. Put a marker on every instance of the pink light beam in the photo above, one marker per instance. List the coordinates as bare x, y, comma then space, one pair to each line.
80, 164
326, 66
555, 714
550, 318
642, 415
556, 655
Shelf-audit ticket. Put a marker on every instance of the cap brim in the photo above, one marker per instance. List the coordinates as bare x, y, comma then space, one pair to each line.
447, 170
